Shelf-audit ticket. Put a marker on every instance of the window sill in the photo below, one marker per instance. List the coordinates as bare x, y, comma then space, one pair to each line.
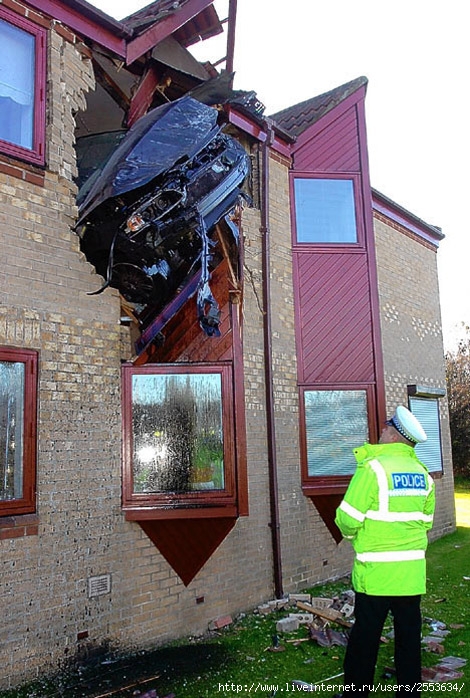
328, 485
19, 526
157, 513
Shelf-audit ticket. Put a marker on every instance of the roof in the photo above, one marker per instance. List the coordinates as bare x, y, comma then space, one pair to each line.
203, 24
401, 215
94, 14
188, 21
296, 119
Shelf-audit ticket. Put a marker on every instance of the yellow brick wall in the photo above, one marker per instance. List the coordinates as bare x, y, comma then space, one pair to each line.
44, 306
412, 337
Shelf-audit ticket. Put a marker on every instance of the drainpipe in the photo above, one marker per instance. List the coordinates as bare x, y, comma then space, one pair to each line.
268, 364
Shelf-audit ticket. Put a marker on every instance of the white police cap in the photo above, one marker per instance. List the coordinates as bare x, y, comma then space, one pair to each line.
407, 425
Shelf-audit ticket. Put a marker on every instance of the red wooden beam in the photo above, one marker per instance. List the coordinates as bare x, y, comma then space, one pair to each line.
244, 123
142, 98
87, 22
157, 32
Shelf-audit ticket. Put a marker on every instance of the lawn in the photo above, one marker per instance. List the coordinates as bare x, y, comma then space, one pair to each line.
250, 657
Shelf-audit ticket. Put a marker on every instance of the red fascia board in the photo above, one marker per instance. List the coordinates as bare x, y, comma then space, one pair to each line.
253, 129
406, 219
159, 322
157, 32
85, 26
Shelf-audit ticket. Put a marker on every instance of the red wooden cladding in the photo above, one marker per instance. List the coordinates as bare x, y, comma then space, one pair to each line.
336, 301
335, 333
184, 339
186, 544
326, 507
335, 149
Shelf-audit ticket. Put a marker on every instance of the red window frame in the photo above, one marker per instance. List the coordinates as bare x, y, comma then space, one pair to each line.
339, 247
27, 504
167, 503
35, 155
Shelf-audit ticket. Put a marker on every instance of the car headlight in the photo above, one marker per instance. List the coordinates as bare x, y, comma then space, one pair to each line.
135, 223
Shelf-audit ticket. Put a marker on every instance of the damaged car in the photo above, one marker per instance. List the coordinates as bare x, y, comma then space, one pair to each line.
147, 217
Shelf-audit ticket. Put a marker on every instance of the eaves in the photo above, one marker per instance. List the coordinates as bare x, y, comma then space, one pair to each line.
404, 218
117, 37
88, 21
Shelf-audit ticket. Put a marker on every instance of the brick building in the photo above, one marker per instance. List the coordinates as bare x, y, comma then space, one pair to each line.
312, 331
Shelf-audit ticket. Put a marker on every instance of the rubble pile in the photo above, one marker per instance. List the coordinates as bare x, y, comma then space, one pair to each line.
316, 614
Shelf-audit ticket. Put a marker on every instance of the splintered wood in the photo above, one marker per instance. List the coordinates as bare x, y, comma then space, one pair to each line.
325, 613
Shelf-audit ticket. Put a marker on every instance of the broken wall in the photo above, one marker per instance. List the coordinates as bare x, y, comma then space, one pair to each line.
77, 579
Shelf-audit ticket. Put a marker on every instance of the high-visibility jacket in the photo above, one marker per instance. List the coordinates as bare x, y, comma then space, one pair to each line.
386, 513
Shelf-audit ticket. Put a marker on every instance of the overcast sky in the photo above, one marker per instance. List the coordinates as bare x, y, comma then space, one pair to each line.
415, 55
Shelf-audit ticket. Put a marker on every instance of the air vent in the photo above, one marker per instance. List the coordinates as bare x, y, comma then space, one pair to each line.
98, 586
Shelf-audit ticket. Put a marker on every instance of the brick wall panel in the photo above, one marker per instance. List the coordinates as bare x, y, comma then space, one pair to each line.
412, 337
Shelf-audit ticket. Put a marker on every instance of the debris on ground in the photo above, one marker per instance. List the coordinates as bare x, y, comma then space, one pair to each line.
317, 615
275, 647
153, 694
446, 670
434, 641
220, 622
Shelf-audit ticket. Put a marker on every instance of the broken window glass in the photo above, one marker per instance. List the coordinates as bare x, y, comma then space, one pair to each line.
11, 429
177, 433
18, 428
335, 421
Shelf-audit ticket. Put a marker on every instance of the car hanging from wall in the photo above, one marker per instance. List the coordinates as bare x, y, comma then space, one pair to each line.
147, 216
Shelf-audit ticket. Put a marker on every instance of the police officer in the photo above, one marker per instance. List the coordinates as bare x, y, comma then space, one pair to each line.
386, 513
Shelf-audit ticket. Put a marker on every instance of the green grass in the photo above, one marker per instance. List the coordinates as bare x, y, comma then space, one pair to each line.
240, 657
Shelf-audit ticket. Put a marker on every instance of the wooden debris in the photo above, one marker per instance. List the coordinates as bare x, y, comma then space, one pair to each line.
136, 684
326, 613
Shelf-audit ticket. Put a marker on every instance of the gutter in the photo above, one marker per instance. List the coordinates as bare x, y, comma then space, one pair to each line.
382, 204
87, 21
268, 364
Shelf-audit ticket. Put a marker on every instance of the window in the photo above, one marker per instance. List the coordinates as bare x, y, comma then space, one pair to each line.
178, 435
335, 421
22, 87
18, 386
427, 411
325, 210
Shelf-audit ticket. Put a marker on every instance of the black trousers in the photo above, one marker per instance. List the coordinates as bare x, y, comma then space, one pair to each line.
363, 645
